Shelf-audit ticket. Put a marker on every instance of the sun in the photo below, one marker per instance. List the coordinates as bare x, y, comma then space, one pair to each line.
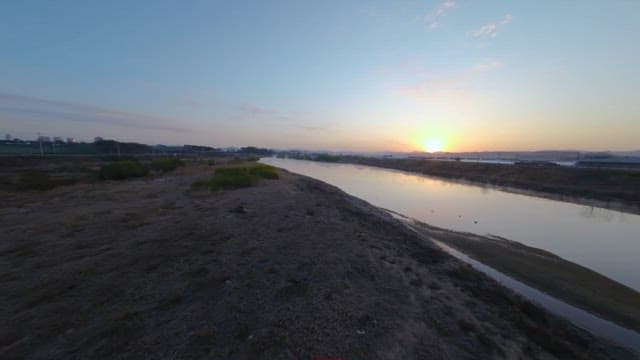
433, 145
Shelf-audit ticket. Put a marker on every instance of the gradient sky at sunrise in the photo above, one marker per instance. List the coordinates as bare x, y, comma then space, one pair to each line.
470, 75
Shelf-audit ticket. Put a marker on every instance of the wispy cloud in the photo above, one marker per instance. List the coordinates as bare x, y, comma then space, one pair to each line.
434, 17
25, 107
491, 30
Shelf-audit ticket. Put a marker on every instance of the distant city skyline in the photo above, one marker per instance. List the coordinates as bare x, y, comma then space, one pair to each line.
449, 75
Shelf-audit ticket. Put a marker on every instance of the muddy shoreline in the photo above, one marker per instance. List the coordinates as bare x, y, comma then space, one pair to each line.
290, 268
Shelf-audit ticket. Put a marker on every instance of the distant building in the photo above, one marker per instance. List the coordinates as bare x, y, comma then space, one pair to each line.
7, 137
97, 139
44, 139
71, 140
57, 139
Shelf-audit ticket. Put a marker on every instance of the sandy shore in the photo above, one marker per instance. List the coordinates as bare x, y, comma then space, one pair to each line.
291, 268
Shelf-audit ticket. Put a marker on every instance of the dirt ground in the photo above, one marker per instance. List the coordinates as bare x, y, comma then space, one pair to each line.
289, 269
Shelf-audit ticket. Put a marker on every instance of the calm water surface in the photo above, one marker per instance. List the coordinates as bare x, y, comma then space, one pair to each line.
603, 240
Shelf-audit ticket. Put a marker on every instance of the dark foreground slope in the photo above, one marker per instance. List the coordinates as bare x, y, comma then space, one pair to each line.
290, 269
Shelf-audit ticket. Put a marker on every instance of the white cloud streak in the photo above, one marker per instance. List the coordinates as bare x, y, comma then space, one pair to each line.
433, 18
491, 30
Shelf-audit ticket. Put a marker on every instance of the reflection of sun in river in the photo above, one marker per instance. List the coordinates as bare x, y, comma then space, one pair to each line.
433, 145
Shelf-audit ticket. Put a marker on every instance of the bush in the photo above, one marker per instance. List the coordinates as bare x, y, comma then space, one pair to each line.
166, 165
232, 178
264, 171
35, 180
238, 177
122, 170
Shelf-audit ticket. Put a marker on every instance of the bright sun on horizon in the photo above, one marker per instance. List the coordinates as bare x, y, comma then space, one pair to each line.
433, 145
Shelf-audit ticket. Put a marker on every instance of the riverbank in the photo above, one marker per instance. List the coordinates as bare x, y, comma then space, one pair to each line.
290, 268
545, 271
606, 188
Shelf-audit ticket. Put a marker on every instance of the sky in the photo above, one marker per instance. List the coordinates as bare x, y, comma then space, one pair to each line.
453, 75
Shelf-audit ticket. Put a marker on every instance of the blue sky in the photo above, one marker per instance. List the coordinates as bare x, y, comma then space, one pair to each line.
346, 75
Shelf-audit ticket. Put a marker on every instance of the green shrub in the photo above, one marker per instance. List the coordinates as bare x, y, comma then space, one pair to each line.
264, 171
232, 179
166, 165
235, 177
35, 180
122, 170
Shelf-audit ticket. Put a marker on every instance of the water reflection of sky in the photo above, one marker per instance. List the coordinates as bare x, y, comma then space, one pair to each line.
592, 212
604, 240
